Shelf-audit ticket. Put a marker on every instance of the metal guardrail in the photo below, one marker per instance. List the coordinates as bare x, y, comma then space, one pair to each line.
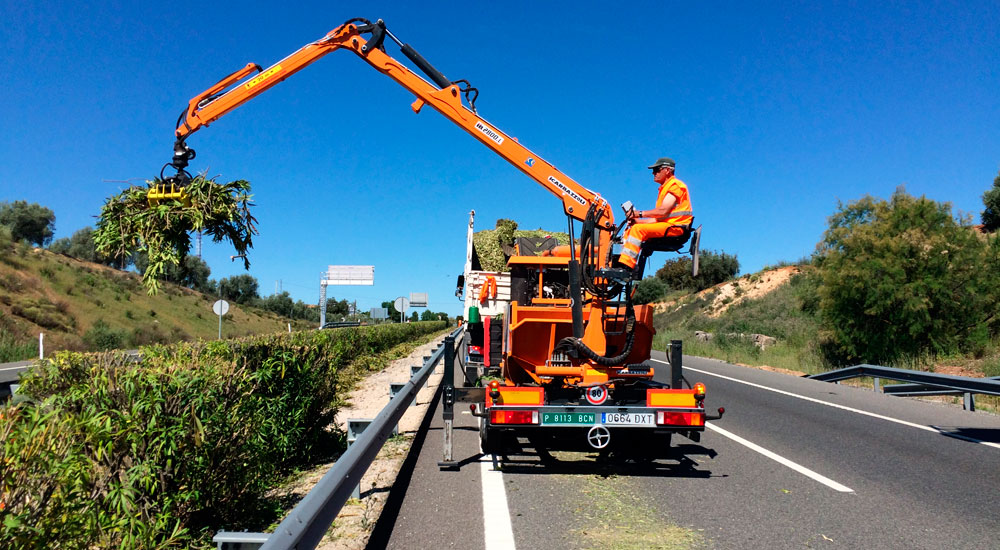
341, 324
305, 525
920, 383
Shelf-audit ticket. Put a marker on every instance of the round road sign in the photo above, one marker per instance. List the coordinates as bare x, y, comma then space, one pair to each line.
401, 304
221, 307
597, 395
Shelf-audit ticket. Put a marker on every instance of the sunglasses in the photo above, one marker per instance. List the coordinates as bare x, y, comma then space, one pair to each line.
658, 169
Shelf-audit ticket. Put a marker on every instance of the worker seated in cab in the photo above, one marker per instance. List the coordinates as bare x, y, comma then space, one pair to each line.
669, 223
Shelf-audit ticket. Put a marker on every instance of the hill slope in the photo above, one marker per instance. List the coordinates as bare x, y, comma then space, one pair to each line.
81, 305
781, 303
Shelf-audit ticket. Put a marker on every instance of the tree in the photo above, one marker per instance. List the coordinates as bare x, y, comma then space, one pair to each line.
58, 246
902, 279
428, 315
390, 308
713, 268
414, 317
282, 304
192, 272
195, 274
991, 199
82, 247
649, 290
241, 289
30, 222
334, 307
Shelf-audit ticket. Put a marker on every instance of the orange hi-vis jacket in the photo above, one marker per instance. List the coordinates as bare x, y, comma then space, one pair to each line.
671, 225
682, 214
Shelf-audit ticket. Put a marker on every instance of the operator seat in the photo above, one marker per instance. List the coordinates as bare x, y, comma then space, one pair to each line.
672, 244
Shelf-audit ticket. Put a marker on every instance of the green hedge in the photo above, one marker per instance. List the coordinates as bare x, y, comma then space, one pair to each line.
154, 454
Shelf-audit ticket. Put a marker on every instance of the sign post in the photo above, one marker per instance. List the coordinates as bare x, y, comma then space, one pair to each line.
220, 307
343, 275
401, 304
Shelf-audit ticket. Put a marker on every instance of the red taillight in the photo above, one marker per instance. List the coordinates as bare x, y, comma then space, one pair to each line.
668, 418
513, 417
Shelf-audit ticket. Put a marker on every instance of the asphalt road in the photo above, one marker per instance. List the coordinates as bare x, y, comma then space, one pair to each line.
794, 463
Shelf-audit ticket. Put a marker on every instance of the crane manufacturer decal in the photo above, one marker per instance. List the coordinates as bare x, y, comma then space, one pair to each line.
488, 132
567, 190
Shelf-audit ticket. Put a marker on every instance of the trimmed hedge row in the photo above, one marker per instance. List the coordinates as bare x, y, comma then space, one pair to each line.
152, 454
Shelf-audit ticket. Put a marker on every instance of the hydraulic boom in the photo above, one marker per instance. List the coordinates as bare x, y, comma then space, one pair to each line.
443, 95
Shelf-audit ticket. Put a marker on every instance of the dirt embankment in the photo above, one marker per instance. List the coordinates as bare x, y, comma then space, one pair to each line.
731, 293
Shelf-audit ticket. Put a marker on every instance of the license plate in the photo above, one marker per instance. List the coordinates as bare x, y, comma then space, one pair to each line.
627, 419
568, 418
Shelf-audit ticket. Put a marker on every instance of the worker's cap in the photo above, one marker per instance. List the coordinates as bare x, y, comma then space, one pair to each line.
665, 161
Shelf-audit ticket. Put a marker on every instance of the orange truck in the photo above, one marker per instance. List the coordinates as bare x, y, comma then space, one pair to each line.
571, 349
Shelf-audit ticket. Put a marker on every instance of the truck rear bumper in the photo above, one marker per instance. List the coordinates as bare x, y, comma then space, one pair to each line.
651, 443
642, 431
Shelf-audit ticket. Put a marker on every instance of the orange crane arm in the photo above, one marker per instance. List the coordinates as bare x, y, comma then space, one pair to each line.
442, 95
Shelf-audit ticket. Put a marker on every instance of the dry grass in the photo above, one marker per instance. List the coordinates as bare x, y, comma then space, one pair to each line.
65, 297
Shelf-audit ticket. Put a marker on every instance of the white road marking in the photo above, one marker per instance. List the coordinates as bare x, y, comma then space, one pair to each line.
932, 429
782, 460
496, 516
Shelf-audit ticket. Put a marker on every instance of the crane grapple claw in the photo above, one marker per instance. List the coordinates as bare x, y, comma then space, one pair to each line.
168, 189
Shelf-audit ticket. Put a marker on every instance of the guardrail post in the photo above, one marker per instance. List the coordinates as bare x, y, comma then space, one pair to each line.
675, 364
393, 390
355, 427
877, 383
414, 369
448, 400
970, 402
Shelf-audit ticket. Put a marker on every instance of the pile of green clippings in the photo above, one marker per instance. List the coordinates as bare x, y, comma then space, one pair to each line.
489, 243
128, 223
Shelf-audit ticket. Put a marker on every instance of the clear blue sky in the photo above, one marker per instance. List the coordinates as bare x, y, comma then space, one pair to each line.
773, 113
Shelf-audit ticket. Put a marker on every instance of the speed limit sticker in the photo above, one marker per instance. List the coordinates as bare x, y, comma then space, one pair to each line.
597, 395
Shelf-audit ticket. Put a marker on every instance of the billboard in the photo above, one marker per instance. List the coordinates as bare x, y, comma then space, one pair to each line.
350, 275
380, 313
418, 299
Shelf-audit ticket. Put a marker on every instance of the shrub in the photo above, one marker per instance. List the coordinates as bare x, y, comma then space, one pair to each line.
101, 337
649, 290
43, 313
902, 279
156, 453
713, 268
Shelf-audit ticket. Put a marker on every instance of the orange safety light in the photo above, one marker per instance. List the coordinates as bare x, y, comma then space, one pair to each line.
699, 392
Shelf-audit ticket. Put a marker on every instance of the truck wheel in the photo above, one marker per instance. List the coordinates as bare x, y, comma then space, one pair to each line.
485, 439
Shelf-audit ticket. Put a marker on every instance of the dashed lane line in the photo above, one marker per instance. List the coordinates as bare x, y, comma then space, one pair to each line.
782, 460
932, 429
